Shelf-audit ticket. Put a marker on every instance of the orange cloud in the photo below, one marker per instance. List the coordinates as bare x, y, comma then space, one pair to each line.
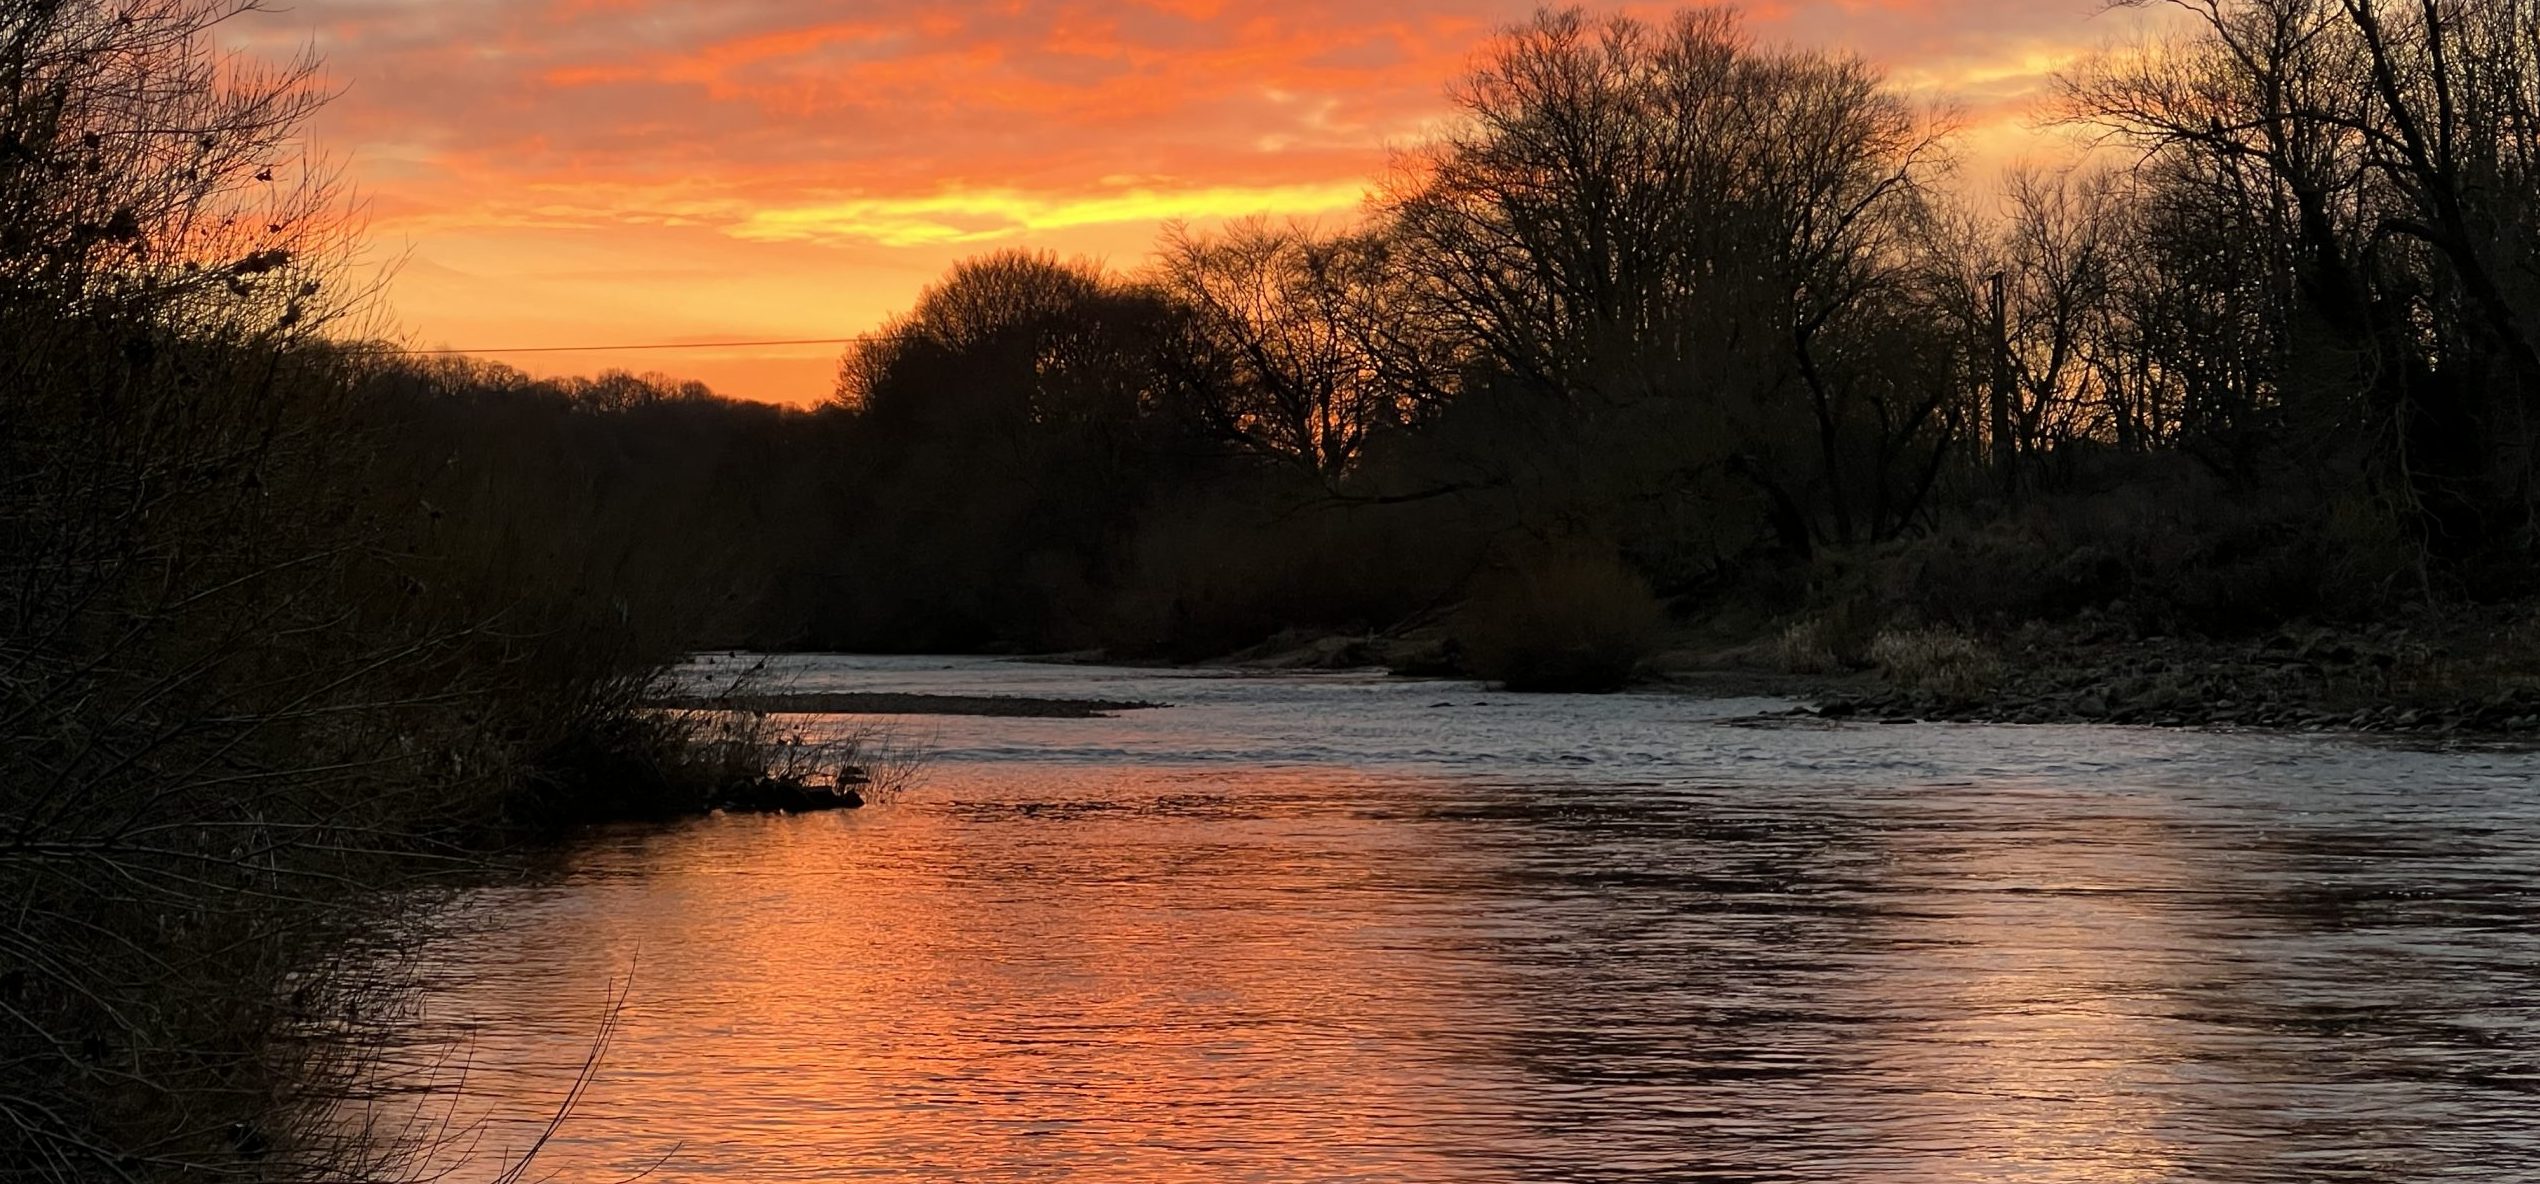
571, 171
986, 215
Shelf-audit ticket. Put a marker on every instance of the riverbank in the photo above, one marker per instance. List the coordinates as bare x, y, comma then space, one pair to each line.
2466, 672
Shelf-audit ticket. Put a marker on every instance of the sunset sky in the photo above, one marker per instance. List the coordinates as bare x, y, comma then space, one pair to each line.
583, 172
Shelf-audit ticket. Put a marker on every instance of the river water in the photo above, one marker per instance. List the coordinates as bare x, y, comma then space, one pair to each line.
1340, 927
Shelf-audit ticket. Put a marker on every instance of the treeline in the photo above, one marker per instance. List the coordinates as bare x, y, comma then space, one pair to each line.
1672, 322
1674, 318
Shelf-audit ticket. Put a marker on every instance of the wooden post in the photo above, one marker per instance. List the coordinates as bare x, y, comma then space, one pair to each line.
2005, 449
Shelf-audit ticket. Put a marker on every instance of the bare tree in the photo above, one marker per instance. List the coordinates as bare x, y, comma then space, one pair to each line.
2381, 151
1635, 212
1309, 331
2032, 297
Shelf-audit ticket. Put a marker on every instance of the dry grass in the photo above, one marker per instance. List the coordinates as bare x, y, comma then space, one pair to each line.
871, 756
1802, 648
745, 725
1832, 641
1937, 661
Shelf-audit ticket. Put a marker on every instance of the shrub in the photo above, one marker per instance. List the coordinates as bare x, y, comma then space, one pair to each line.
654, 749
1568, 623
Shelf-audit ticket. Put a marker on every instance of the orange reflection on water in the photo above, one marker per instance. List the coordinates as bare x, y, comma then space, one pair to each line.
2032, 1018
930, 994
1201, 945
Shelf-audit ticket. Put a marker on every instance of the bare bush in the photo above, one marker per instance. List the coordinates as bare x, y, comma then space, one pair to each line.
1576, 622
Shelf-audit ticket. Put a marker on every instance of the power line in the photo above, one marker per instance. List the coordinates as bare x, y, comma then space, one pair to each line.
593, 349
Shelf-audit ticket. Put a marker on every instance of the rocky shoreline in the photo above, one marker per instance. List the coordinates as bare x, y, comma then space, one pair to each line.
2519, 717
2470, 673
2457, 679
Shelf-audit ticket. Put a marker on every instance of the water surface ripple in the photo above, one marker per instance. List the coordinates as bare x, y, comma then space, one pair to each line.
1345, 928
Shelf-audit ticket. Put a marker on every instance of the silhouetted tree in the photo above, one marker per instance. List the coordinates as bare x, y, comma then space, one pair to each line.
2381, 156
1671, 229
1309, 340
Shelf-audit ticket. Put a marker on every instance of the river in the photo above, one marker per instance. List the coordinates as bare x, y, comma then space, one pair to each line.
1343, 927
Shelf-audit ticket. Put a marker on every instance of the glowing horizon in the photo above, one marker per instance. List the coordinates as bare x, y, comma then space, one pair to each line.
577, 172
